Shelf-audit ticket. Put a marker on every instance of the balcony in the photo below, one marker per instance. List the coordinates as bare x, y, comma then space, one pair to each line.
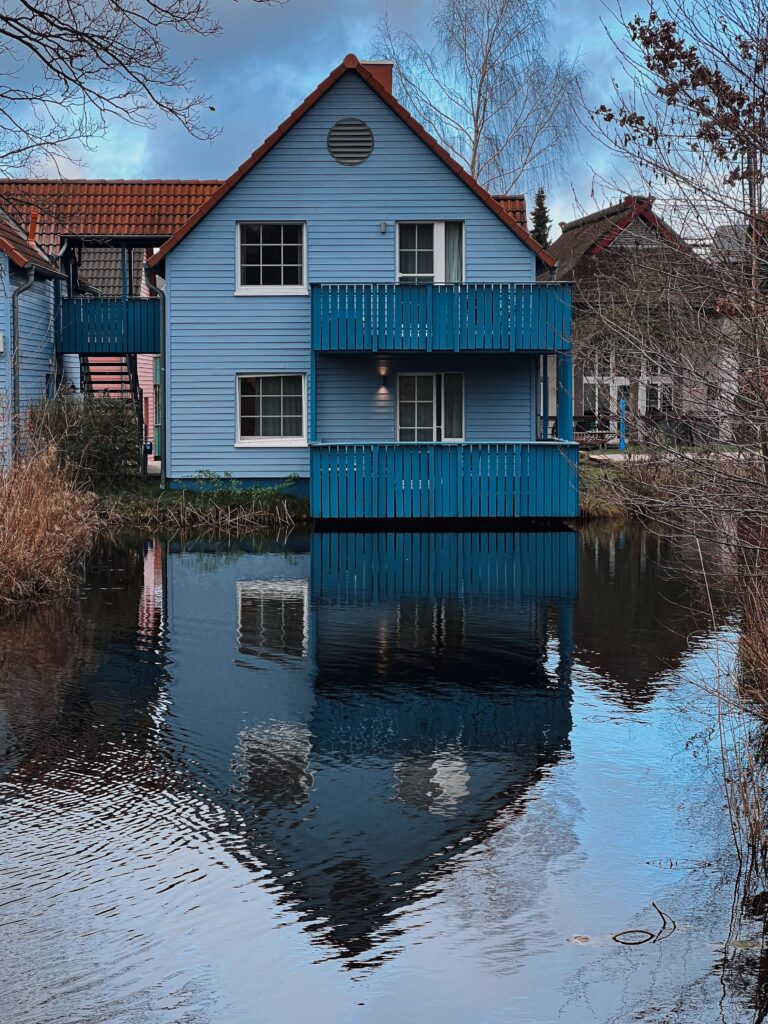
103, 327
417, 481
441, 318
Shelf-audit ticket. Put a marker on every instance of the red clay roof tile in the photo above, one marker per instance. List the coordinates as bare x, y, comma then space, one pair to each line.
101, 209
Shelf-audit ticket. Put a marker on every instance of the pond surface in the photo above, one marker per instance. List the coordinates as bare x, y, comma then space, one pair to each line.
368, 778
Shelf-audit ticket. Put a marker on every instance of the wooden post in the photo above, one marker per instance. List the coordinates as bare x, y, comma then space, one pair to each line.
565, 396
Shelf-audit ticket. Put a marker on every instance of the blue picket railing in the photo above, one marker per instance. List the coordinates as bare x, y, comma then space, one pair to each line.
95, 326
358, 567
441, 318
417, 481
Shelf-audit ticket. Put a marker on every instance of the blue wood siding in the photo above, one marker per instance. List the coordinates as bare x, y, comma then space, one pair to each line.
419, 481
214, 334
5, 360
37, 340
352, 406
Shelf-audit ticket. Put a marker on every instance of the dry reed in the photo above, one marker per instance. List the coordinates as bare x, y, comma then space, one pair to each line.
47, 524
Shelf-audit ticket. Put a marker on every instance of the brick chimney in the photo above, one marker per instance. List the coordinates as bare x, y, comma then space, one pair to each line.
381, 71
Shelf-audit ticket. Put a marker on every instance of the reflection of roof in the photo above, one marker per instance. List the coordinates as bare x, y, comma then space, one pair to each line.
106, 209
17, 247
351, 64
596, 231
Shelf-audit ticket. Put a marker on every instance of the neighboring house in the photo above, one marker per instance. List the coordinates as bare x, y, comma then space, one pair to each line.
98, 234
29, 287
352, 309
625, 261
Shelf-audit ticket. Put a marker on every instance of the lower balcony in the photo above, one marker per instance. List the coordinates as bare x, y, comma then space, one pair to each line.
533, 479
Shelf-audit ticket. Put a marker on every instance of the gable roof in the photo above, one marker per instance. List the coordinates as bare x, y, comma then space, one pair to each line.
49, 209
350, 64
19, 250
592, 234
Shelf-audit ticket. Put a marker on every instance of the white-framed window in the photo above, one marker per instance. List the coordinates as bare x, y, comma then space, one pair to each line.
430, 252
271, 258
655, 390
273, 618
271, 409
430, 407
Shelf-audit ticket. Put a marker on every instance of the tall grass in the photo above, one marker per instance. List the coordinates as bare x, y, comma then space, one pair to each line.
47, 524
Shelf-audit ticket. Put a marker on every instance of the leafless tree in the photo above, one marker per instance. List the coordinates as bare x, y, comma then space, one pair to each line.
67, 67
488, 89
692, 126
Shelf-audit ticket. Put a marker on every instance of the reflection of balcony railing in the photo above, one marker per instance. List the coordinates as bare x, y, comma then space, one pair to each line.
441, 318
404, 481
108, 326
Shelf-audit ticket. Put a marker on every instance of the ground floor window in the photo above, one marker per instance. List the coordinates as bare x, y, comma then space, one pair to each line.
430, 407
270, 409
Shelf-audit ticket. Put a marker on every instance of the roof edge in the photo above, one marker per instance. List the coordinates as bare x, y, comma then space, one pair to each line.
350, 63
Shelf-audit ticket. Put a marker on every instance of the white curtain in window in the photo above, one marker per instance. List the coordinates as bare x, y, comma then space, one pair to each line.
454, 231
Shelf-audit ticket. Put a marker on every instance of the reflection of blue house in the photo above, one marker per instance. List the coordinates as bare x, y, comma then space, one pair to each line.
368, 704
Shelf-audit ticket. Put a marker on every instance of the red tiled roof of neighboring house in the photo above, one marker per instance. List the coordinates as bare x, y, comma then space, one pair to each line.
100, 209
17, 247
351, 64
596, 231
515, 207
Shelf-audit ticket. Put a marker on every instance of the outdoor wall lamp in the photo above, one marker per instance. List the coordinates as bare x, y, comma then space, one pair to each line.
383, 377
383, 227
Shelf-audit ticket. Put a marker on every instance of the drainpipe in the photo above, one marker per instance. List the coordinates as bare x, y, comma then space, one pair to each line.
161, 390
16, 360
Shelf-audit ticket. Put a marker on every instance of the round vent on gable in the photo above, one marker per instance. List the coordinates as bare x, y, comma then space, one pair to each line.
350, 141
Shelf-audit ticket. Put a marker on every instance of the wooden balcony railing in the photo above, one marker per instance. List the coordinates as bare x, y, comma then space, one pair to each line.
96, 326
441, 318
414, 481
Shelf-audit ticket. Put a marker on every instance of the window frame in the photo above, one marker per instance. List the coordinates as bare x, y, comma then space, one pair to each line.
441, 374
297, 441
438, 252
271, 289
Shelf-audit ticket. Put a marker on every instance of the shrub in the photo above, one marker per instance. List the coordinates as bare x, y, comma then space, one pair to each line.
97, 437
47, 523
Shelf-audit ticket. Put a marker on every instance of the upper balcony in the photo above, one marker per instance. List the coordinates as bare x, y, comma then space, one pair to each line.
441, 318
108, 326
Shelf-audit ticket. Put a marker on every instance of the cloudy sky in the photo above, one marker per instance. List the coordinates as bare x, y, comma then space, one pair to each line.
268, 57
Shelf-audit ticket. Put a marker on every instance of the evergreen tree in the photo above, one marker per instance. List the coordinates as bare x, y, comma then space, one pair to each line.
541, 219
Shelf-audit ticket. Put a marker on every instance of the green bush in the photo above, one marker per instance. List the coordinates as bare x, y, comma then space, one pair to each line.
97, 437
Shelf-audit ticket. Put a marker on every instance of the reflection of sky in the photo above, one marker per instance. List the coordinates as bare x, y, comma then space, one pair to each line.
197, 931
269, 57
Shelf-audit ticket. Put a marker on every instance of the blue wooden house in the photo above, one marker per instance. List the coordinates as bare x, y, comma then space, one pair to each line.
352, 309
349, 308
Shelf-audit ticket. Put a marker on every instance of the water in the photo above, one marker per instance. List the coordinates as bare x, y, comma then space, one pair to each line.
368, 778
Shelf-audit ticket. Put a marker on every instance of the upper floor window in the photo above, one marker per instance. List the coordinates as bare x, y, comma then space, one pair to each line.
271, 258
430, 252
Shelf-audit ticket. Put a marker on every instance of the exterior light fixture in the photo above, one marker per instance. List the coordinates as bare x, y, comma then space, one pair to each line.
383, 377
383, 227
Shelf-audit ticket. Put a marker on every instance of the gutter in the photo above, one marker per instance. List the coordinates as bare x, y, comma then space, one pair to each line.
16, 360
161, 390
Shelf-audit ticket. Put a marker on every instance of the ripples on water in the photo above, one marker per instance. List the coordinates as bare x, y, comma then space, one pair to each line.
363, 778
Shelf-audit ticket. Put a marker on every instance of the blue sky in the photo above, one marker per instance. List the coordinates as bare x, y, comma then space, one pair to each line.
268, 57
